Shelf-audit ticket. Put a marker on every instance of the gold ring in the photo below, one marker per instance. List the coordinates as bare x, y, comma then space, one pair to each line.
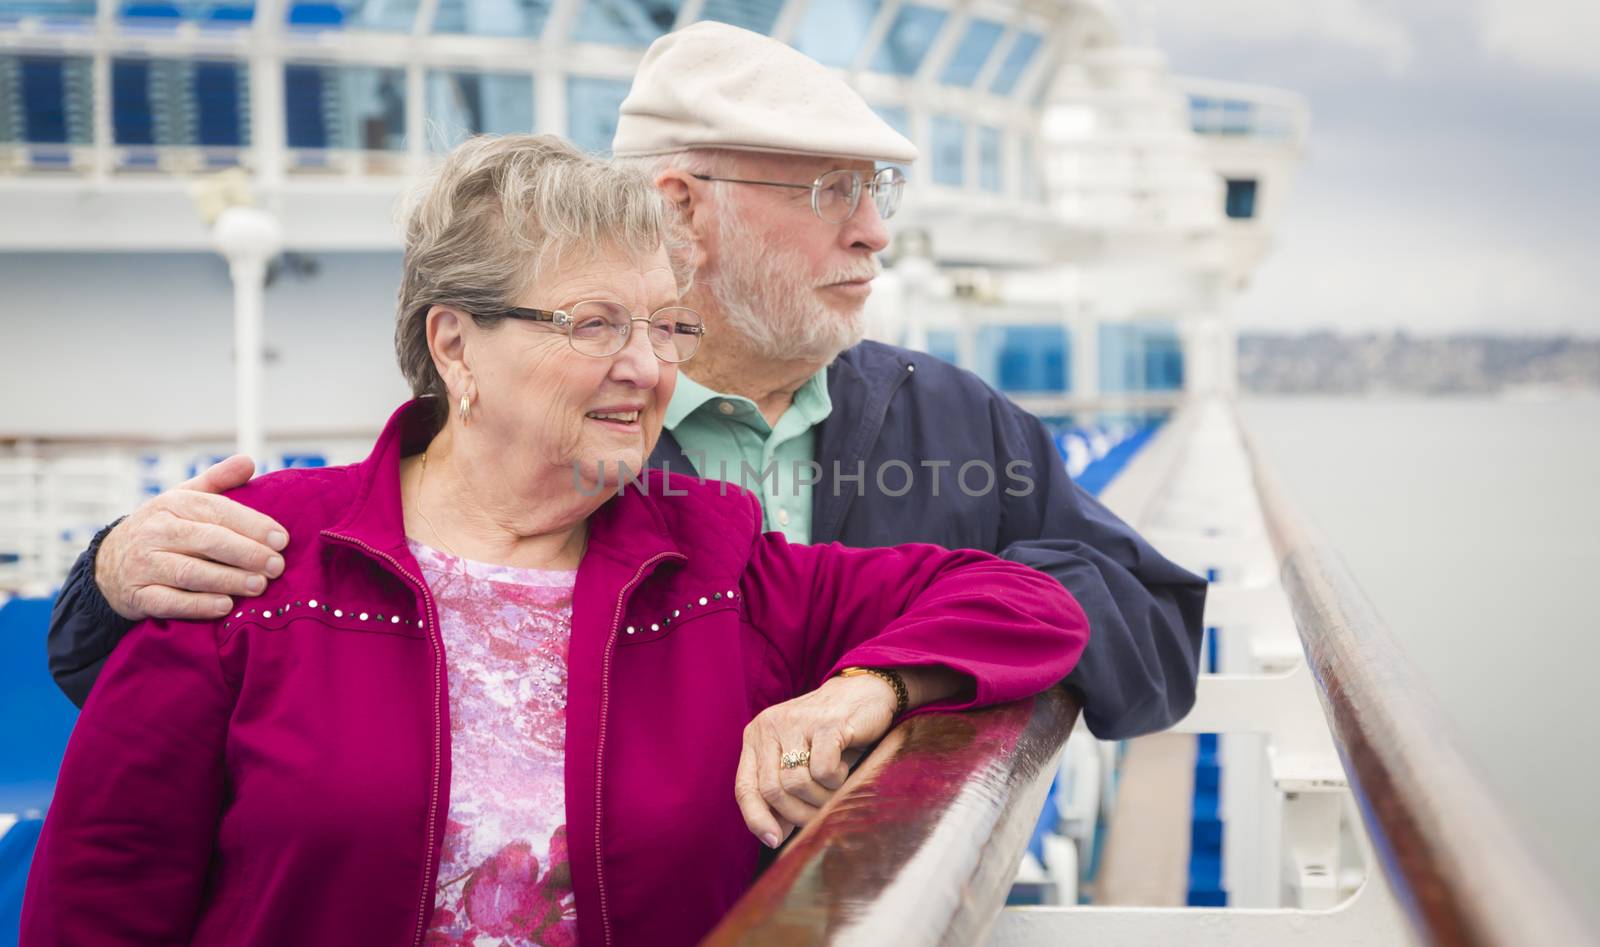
794, 758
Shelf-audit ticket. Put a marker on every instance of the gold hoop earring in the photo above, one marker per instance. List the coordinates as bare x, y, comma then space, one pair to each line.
466, 408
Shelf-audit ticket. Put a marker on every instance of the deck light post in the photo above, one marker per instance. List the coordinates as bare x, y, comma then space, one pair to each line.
248, 238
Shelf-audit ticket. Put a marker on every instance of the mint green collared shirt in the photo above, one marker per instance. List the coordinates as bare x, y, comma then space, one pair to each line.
726, 438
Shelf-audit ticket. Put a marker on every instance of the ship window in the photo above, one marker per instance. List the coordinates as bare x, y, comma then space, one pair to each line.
53, 10
180, 102
908, 40
462, 104
131, 120
354, 108
754, 15
833, 31
635, 23
499, 18
592, 106
1027, 358
897, 117
971, 53
46, 100
900, 120
1017, 60
1140, 357
392, 16
161, 13
989, 159
949, 150
1241, 203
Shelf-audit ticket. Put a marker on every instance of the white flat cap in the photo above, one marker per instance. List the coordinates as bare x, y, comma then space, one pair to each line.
712, 85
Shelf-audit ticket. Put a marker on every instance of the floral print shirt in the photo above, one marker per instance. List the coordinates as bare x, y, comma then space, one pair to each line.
504, 880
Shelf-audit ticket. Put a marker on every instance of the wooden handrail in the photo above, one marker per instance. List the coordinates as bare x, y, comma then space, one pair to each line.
921, 844
1459, 865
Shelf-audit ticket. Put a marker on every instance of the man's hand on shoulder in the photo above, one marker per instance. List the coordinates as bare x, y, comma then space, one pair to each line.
185, 553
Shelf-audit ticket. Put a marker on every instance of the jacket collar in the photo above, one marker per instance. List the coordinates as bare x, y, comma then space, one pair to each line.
629, 529
376, 516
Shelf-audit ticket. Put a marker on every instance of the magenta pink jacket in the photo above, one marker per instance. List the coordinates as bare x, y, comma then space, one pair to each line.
282, 776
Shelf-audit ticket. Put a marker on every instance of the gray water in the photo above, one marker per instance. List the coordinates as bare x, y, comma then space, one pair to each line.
1474, 527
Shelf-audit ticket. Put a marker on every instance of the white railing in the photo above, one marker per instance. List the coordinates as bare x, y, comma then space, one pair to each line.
55, 494
1297, 867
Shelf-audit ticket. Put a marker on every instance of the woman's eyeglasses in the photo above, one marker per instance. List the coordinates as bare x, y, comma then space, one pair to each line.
599, 329
835, 194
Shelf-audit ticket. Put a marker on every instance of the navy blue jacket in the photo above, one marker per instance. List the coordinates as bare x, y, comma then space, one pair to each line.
899, 414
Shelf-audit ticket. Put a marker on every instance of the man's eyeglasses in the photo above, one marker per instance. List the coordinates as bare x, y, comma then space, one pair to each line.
599, 329
835, 194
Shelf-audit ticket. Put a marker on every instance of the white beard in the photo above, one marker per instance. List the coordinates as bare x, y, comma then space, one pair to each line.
770, 299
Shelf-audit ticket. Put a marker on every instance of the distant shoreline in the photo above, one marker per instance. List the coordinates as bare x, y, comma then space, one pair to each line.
1533, 368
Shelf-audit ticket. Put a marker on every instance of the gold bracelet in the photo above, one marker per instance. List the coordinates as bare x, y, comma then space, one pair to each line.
902, 697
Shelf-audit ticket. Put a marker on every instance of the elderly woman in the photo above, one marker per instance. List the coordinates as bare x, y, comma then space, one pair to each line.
488, 701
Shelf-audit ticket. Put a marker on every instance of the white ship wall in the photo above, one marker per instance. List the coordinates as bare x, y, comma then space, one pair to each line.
141, 344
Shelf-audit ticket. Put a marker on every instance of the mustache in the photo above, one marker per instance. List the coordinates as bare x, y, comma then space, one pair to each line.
866, 271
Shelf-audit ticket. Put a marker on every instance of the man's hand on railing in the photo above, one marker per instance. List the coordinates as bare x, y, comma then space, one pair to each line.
186, 552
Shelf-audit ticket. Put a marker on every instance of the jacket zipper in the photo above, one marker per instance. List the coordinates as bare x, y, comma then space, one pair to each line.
600, 743
437, 647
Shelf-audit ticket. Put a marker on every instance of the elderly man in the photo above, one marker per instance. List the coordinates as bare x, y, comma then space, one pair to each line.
773, 162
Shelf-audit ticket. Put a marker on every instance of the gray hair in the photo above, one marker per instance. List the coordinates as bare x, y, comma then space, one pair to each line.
719, 162
487, 221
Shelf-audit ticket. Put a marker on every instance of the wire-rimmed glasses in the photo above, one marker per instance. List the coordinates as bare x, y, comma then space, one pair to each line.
835, 194
599, 328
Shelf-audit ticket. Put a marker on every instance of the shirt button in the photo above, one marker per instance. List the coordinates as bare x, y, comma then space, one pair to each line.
726, 407
783, 517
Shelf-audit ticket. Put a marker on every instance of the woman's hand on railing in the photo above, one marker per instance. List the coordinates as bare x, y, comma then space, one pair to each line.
822, 734
921, 843
775, 792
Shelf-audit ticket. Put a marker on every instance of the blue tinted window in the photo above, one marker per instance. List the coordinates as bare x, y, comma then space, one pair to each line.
344, 107
49, 100
626, 22
971, 53
485, 18
592, 111
179, 102
1017, 60
949, 150
833, 30
1241, 199
900, 120
755, 15
395, 16
305, 121
131, 120
462, 104
1163, 361
221, 93
896, 115
904, 46
13, 10
154, 13
989, 159
1026, 358
943, 343
1140, 357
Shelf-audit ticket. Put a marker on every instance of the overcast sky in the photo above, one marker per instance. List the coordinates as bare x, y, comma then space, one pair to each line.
1453, 179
